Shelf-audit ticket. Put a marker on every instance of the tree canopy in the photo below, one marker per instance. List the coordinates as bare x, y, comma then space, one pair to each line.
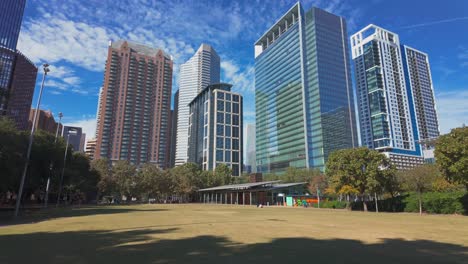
451, 154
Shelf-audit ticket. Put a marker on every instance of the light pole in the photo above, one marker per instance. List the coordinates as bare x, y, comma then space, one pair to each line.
46, 200
64, 162
60, 115
31, 137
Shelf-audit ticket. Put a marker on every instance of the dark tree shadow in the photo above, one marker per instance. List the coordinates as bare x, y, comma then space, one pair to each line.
140, 246
38, 214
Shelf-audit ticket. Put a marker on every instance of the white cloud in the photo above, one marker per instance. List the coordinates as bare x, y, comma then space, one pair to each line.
54, 40
242, 78
431, 23
72, 80
88, 125
452, 109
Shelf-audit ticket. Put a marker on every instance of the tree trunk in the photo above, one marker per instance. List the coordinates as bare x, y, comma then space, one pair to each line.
364, 205
420, 203
376, 203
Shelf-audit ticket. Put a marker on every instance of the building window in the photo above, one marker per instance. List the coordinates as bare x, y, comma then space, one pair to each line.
219, 142
235, 170
227, 143
235, 120
219, 155
220, 130
220, 95
235, 98
235, 144
235, 156
228, 131
228, 118
220, 118
235, 132
220, 105
228, 107
227, 155
235, 108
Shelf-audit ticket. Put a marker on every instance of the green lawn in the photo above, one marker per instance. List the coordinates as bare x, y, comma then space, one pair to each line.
232, 234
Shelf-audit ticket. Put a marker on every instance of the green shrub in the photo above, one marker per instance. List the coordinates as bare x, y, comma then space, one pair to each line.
438, 203
333, 204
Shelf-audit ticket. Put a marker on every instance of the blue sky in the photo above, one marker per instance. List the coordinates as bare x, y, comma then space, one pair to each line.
73, 36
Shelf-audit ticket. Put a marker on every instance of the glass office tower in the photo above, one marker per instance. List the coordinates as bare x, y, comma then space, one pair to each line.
10, 22
304, 97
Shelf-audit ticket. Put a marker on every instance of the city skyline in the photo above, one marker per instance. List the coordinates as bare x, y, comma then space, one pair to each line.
78, 75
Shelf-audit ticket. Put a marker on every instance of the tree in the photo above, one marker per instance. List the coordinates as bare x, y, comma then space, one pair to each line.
124, 174
187, 179
106, 184
154, 182
80, 180
223, 174
419, 180
13, 145
451, 155
364, 170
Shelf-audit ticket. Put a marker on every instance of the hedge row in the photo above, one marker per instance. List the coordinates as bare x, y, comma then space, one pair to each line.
432, 202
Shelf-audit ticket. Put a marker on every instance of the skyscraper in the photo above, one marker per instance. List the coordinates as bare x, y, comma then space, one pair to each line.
17, 73
198, 72
74, 138
250, 161
386, 98
174, 130
135, 104
91, 148
215, 128
303, 92
10, 22
21, 91
418, 78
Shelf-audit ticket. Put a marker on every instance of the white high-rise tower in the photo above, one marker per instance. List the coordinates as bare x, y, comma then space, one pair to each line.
198, 72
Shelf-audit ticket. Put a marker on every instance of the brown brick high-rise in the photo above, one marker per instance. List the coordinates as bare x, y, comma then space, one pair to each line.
134, 107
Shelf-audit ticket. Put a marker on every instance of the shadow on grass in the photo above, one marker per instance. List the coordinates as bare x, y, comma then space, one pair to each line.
39, 214
144, 246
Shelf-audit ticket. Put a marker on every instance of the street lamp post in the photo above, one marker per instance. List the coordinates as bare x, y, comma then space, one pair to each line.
46, 200
63, 169
31, 138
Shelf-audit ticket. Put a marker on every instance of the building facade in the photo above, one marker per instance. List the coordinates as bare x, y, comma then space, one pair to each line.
10, 22
74, 137
419, 80
386, 99
303, 92
45, 121
17, 73
198, 72
91, 148
215, 128
134, 106
174, 129
250, 161
21, 91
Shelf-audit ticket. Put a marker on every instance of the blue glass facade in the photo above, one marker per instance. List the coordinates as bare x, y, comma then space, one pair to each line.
304, 97
11, 15
10, 22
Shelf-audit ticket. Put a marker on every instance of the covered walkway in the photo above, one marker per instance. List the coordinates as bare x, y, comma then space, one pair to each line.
265, 193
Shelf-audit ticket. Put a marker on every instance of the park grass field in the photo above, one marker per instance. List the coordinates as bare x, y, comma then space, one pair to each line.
196, 233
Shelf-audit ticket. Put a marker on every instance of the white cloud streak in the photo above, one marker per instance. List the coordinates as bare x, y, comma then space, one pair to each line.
443, 21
